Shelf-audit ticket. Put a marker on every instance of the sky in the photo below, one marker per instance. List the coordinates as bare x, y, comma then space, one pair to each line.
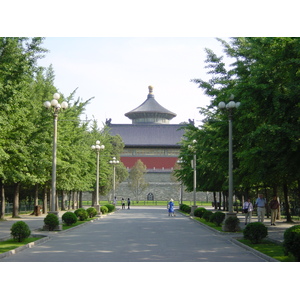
116, 72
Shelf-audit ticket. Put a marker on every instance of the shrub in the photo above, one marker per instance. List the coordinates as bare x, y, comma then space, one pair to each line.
81, 214
185, 208
110, 207
255, 232
199, 212
291, 242
69, 218
51, 221
92, 212
217, 218
206, 215
104, 210
232, 223
20, 231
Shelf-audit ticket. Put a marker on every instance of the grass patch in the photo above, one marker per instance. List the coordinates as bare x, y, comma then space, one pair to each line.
210, 224
11, 244
64, 226
269, 248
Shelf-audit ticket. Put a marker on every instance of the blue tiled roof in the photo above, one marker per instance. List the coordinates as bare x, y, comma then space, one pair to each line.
167, 135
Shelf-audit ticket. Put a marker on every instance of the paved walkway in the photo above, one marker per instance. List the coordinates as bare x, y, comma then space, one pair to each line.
141, 234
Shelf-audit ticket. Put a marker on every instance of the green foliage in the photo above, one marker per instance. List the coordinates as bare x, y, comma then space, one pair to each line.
69, 218
92, 212
199, 212
110, 207
51, 220
232, 223
104, 210
206, 216
255, 232
291, 241
20, 231
217, 218
81, 214
185, 208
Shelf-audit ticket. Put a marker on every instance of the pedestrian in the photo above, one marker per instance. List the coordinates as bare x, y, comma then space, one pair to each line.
247, 210
123, 203
261, 203
274, 206
128, 203
171, 208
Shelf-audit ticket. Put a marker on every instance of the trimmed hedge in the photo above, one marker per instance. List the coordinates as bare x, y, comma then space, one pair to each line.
51, 221
232, 223
291, 242
81, 214
206, 216
69, 218
185, 208
20, 231
255, 232
199, 212
218, 217
104, 210
92, 212
110, 207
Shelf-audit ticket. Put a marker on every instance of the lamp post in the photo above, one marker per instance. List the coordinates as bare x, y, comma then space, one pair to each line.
230, 107
55, 108
193, 162
180, 161
114, 162
97, 148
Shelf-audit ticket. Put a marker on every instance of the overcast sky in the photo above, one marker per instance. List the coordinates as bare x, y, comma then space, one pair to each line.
118, 71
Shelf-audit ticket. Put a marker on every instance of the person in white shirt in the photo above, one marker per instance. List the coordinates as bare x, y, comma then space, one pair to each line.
261, 203
247, 209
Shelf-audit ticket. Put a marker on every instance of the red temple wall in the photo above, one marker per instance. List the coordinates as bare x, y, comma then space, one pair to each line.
151, 162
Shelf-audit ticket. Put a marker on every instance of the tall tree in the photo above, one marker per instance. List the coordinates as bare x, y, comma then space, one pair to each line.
136, 180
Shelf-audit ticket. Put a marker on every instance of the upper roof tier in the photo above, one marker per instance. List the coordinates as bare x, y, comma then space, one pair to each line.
150, 112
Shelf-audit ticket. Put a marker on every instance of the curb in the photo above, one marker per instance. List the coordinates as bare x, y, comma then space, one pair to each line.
29, 245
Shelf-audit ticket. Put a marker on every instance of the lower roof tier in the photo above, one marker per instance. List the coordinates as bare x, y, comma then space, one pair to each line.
155, 163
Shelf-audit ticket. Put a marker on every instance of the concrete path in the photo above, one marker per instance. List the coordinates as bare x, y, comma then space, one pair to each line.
137, 235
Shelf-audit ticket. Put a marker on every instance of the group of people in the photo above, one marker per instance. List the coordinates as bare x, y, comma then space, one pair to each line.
123, 202
261, 205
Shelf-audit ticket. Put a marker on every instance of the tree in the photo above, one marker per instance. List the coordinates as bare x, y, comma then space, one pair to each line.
264, 77
136, 181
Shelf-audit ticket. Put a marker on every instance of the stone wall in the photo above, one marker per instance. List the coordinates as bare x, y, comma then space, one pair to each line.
161, 186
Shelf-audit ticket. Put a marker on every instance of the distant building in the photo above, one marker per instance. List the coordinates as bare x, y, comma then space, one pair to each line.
153, 140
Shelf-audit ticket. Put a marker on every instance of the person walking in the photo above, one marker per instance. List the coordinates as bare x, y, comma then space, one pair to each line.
247, 210
123, 203
261, 203
128, 203
274, 205
171, 209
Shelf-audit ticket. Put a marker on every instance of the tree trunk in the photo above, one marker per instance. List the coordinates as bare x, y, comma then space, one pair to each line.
215, 200
2, 211
286, 203
15, 212
80, 200
36, 195
45, 200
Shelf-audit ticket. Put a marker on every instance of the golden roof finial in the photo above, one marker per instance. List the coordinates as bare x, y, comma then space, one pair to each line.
150, 87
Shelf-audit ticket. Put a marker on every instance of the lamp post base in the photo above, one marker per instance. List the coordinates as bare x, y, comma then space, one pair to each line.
193, 210
97, 207
229, 227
